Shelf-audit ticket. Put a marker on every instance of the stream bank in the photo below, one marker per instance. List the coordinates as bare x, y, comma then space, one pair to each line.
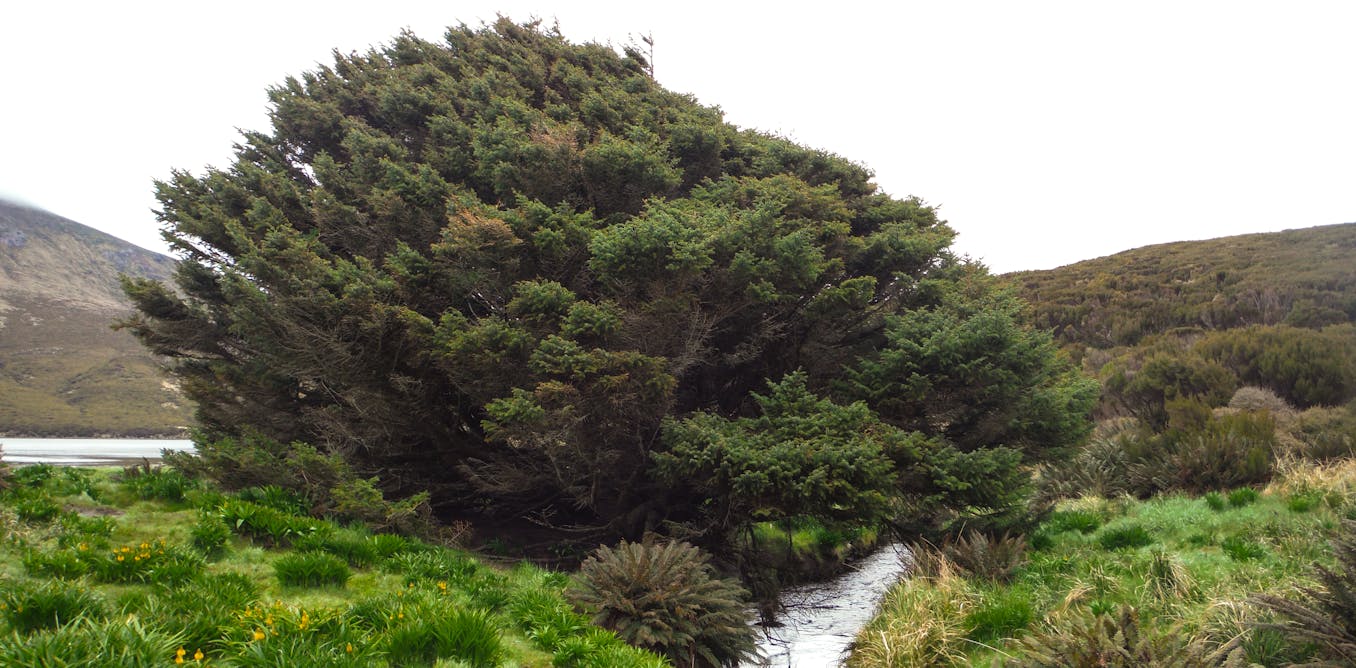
819, 620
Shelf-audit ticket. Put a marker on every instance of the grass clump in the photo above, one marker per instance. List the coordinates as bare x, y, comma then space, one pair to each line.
468, 636
311, 569
98, 643
1124, 537
1215, 501
29, 608
1239, 548
919, 622
1000, 614
1243, 496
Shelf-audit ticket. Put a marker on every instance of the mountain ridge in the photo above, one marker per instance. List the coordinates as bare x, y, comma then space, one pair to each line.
63, 370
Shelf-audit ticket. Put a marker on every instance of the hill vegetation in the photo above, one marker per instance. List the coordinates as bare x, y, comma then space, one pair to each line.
63, 370
1301, 278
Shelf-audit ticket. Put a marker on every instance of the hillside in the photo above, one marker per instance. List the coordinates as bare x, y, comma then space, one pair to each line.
1305, 278
63, 371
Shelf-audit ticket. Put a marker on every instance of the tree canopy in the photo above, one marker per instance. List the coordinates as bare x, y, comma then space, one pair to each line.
519, 273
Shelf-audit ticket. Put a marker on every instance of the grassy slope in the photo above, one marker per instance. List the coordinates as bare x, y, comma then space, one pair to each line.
63, 371
524, 604
1192, 580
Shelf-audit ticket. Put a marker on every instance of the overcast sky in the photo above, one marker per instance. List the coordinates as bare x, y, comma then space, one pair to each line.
1047, 132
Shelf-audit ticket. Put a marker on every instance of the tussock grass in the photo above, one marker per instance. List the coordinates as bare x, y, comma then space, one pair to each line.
1191, 579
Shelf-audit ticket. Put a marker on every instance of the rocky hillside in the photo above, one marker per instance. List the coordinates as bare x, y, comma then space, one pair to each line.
63, 371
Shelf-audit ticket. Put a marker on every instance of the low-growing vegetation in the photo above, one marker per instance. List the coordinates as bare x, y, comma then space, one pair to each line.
1223, 579
149, 567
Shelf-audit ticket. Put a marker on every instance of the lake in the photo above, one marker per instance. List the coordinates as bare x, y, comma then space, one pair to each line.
87, 451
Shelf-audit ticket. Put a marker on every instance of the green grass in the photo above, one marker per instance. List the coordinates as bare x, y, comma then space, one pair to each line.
1188, 566
279, 588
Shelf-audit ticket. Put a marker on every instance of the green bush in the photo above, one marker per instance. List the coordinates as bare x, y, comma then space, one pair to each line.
469, 636
1215, 501
37, 509
1239, 548
63, 564
93, 643
1107, 641
311, 569
270, 525
210, 534
349, 545
29, 608
1243, 496
203, 612
995, 559
1002, 614
1305, 500
1124, 537
665, 598
275, 497
1082, 521
438, 565
148, 562
158, 483
1324, 615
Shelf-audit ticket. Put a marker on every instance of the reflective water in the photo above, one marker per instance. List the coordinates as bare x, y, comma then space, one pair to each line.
87, 451
821, 619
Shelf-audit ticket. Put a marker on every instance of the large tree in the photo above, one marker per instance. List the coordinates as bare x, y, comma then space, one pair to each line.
519, 273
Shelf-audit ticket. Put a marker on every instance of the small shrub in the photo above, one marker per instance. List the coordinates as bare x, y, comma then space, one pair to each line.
210, 534
111, 643
203, 612
1000, 615
311, 569
1106, 641
351, 546
47, 605
1324, 615
1215, 501
665, 598
1082, 521
270, 525
995, 559
1253, 398
388, 545
63, 564
439, 565
147, 561
275, 497
1239, 548
1168, 577
37, 509
1304, 500
1124, 537
1243, 496
469, 636
158, 483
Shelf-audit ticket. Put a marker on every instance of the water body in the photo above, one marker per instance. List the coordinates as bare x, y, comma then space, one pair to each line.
821, 619
87, 451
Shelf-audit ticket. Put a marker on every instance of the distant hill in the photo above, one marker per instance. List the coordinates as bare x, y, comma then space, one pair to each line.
63, 371
1304, 278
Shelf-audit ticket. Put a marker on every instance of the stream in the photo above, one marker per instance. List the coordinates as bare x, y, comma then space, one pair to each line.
821, 619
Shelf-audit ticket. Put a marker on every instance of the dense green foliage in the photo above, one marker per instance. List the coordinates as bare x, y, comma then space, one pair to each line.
665, 598
520, 274
127, 587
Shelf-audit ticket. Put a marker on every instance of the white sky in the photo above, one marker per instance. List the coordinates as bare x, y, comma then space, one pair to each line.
1048, 132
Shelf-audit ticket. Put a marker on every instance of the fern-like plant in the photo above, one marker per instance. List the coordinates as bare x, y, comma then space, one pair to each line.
1324, 615
995, 559
664, 597
1104, 641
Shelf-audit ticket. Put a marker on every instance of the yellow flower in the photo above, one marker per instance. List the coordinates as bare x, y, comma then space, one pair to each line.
348, 648
442, 586
178, 659
258, 634
269, 620
145, 545
197, 656
120, 557
181, 652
